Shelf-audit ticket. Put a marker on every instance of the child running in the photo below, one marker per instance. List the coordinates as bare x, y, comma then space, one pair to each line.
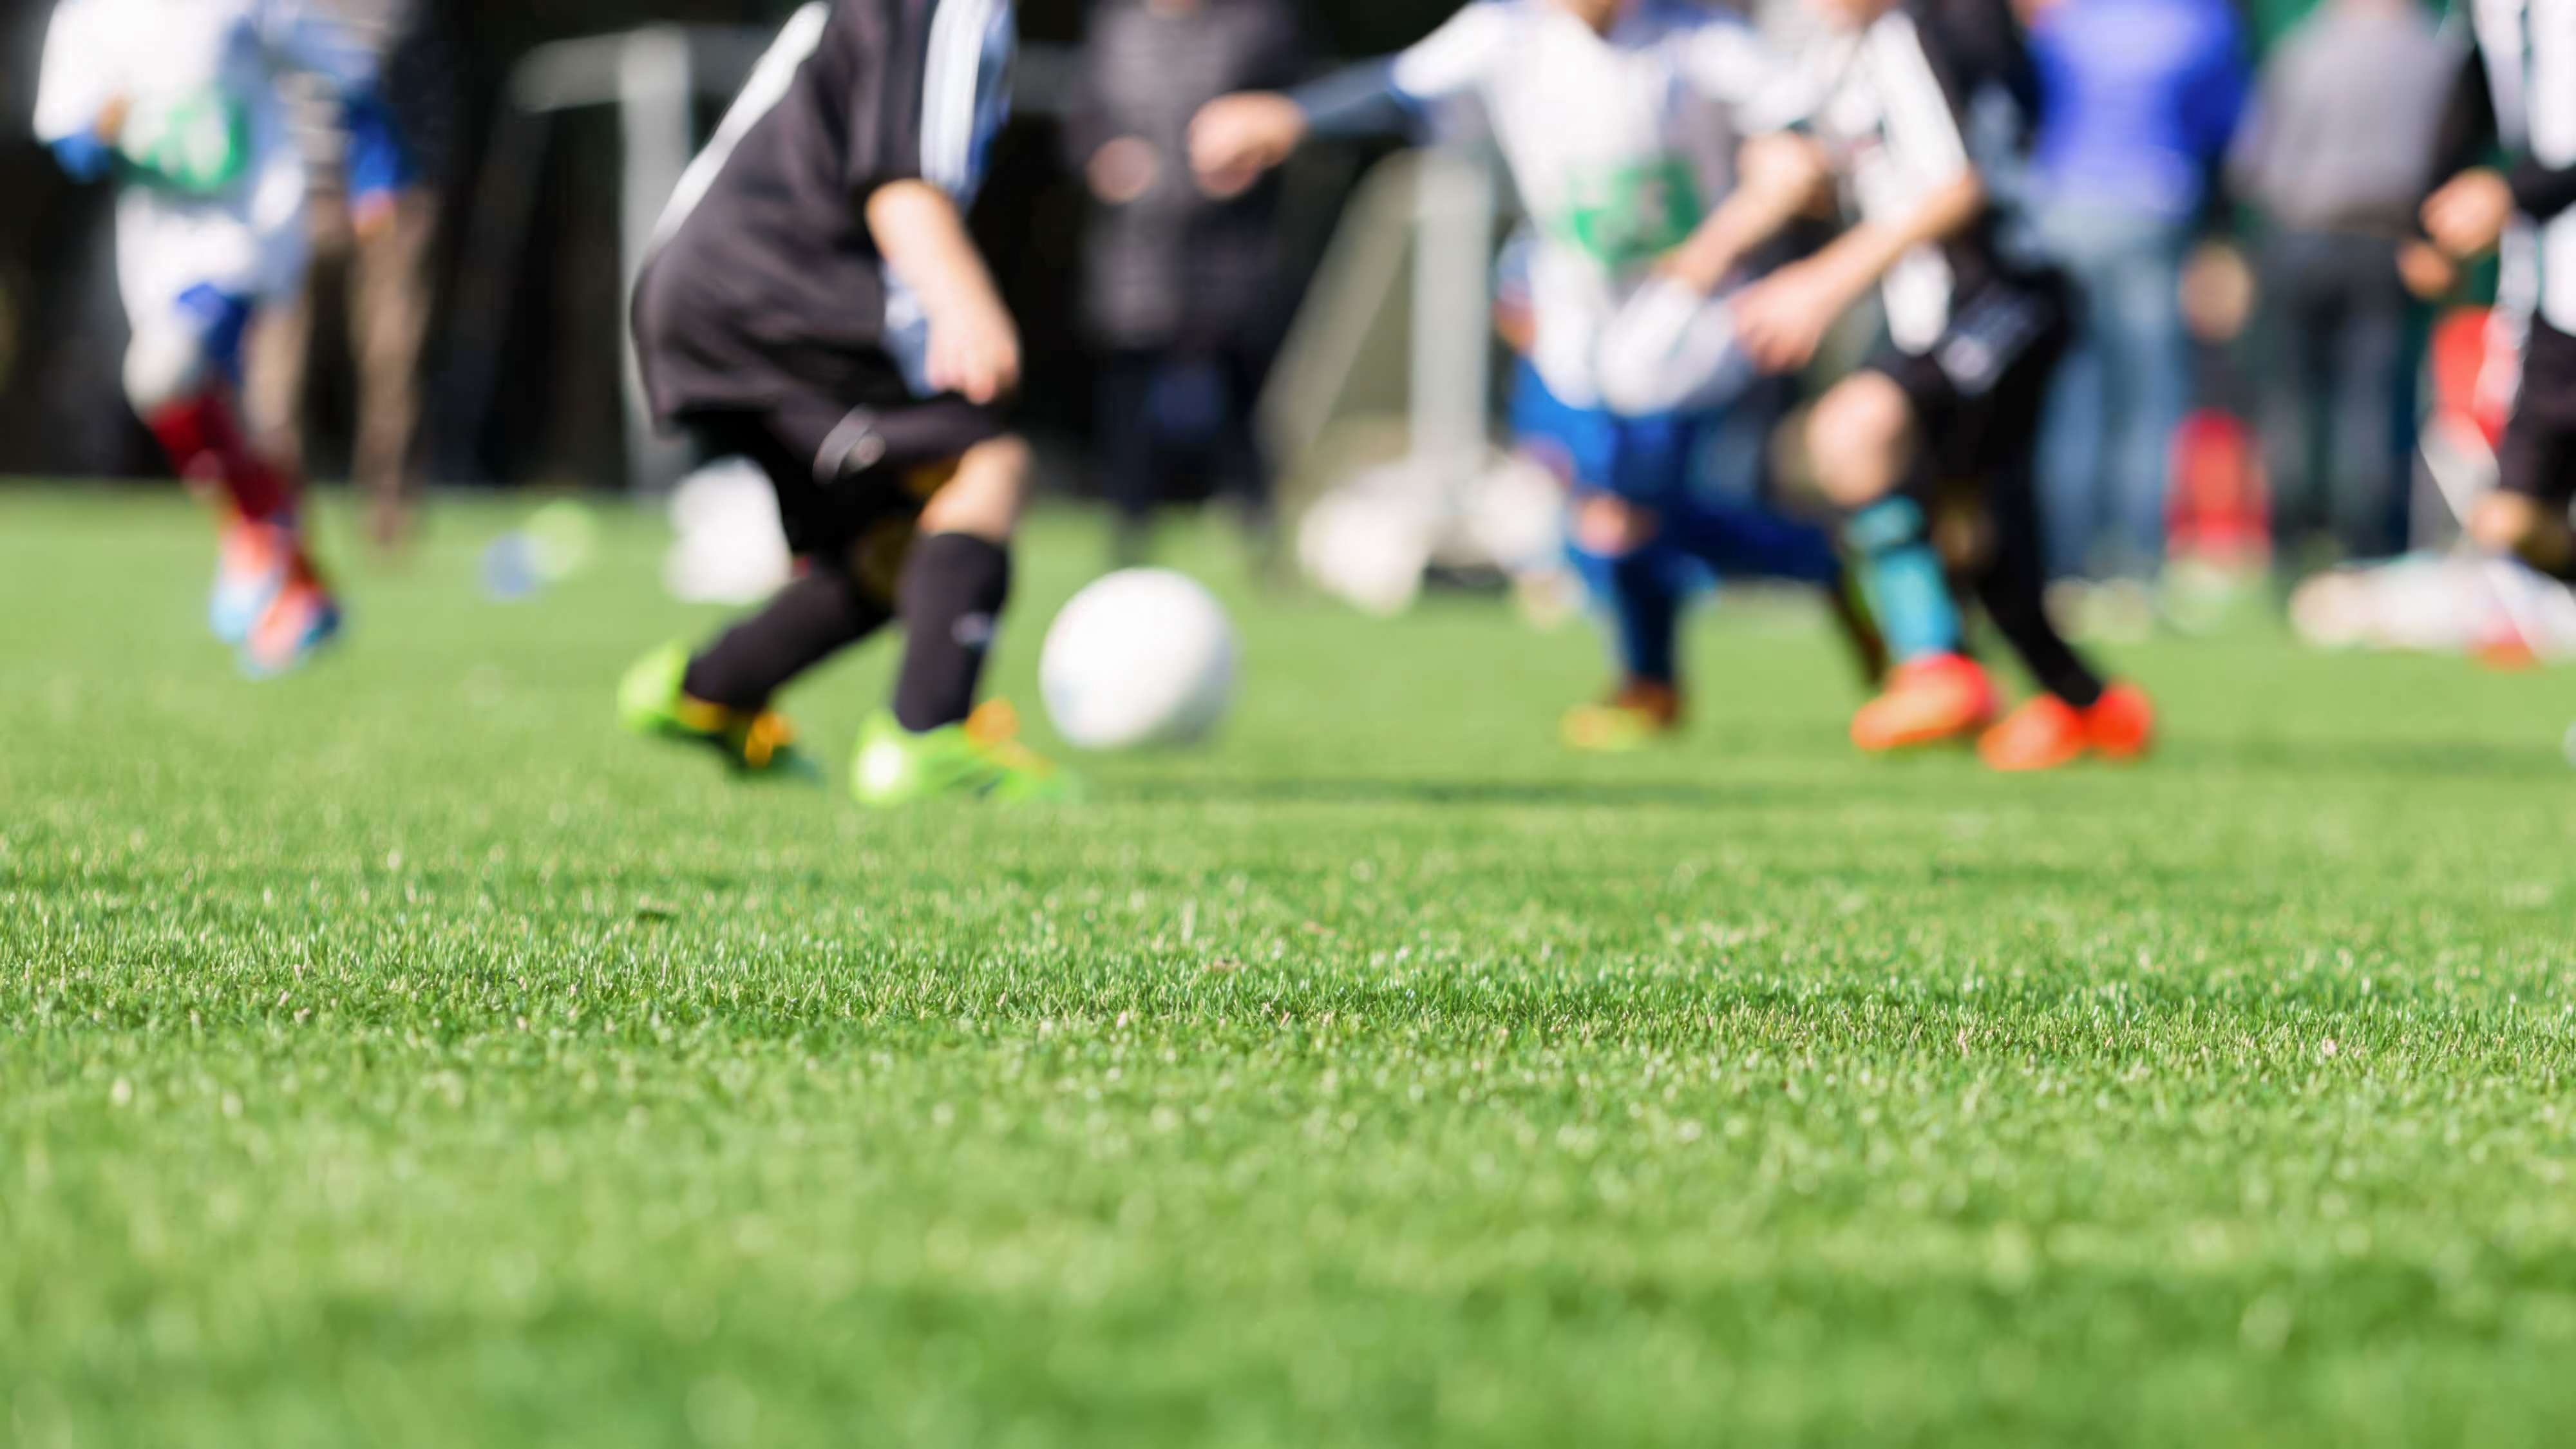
814, 304
1952, 401
1604, 111
178, 101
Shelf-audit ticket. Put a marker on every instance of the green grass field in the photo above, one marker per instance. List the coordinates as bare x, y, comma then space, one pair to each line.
395, 1055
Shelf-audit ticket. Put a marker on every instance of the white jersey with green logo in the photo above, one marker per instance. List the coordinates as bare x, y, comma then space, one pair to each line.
213, 181
1618, 144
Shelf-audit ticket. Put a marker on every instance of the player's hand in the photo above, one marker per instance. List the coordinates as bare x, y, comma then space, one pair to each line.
2427, 273
110, 124
1782, 319
1235, 138
2468, 215
975, 351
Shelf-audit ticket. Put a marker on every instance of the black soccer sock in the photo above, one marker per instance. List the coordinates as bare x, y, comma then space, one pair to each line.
805, 623
951, 594
2013, 586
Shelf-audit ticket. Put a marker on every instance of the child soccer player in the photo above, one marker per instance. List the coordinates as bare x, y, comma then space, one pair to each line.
1953, 398
2519, 88
179, 101
1599, 107
815, 304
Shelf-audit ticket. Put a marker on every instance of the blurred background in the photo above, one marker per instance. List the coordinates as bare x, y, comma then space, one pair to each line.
2260, 396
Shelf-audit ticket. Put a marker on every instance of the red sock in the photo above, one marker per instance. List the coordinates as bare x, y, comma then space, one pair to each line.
204, 441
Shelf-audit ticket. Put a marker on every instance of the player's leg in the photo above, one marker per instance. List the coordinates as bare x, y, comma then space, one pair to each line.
721, 694
182, 374
955, 579
2526, 515
2077, 711
1869, 442
1637, 584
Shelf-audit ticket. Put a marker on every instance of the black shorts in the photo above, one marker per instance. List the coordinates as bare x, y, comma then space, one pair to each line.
1979, 391
852, 461
2538, 456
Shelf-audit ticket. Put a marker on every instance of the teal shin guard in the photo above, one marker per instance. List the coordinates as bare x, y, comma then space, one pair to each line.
1902, 574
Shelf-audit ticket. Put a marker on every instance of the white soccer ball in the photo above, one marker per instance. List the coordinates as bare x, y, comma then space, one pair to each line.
1142, 657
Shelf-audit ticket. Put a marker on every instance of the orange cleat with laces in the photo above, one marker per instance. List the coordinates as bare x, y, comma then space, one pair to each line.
1928, 700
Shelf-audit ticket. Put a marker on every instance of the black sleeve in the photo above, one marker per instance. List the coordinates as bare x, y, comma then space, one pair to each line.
878, 52
2541, 192
2468, 129
1357, 100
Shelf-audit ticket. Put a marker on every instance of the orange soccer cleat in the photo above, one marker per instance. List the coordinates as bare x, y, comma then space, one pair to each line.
2121, 725
2048, 732
1934, 698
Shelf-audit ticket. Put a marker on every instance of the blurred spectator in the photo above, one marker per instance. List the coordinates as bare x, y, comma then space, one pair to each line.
376, 261
2335, 157
2137, 101
1180, 289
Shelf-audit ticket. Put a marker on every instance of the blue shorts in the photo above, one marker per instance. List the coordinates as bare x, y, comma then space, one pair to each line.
1644, 460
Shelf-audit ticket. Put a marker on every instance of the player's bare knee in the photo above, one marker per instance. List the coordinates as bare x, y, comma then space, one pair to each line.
2504, 522
1607, 525
1861, 436
986, 495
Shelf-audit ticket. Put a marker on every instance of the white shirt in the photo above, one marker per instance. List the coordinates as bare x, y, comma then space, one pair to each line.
1619, 145
219, 199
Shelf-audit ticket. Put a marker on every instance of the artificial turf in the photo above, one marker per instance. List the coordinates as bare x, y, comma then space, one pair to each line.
396, 1055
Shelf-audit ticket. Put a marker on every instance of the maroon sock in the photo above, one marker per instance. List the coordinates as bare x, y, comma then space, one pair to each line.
204, 442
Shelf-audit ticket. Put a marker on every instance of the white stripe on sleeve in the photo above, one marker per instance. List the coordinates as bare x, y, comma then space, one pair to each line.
949, 92
761, 94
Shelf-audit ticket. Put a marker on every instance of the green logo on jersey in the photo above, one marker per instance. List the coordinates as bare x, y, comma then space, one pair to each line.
1631, 213
200, 144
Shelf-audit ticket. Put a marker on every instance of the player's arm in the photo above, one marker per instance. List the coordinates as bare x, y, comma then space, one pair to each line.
2466, 211
1783, 318
974, 346
1779, 175
1235, 138
1779, 178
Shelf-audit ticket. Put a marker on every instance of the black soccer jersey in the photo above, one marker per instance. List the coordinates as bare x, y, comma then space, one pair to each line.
763, 277
1891, 103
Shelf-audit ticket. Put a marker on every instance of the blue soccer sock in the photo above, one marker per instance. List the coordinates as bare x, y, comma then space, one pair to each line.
1902, 575
1640, 597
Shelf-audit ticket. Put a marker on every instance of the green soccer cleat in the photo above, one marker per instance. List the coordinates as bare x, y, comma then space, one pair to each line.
978, 758
651, 703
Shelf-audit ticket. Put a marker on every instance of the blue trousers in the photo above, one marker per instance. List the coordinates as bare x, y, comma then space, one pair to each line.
1653, 463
